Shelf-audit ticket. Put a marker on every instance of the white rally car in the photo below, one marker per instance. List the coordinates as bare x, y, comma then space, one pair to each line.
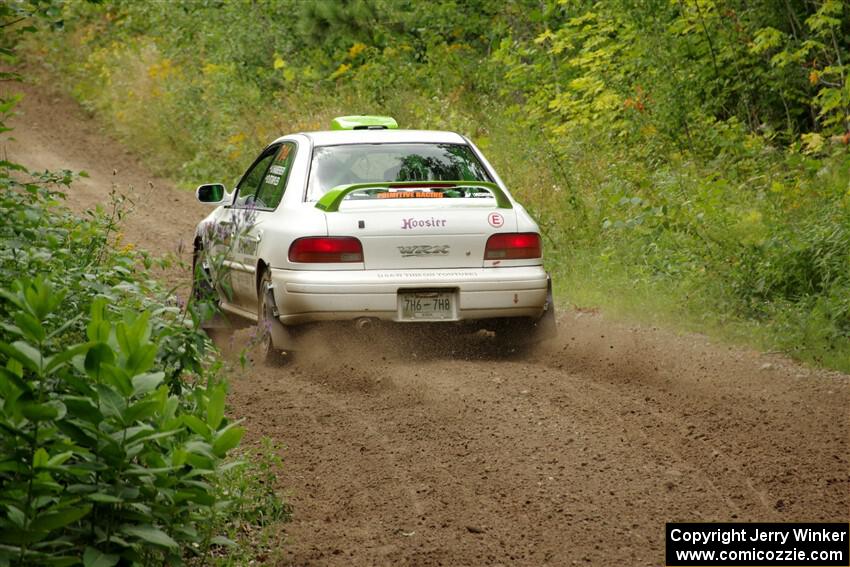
367, 224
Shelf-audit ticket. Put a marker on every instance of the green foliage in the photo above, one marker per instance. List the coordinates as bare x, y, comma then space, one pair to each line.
95, 454
691, 150
250, 484
108, 450
113, 435
666, 68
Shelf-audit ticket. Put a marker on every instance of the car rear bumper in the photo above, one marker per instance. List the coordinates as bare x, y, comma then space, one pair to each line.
304, 296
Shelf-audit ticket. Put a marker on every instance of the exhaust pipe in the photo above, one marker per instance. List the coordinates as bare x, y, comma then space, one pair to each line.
364, 324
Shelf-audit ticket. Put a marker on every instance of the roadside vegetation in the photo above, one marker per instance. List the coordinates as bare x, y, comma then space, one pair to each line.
688, 159
114, 443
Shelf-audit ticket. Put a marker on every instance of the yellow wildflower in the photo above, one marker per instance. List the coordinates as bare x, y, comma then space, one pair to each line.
161, 70
340, 71
356, 50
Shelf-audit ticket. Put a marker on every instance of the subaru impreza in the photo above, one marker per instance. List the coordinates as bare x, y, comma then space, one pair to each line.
367, 224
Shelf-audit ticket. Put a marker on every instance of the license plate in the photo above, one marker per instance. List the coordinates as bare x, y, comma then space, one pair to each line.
426, 305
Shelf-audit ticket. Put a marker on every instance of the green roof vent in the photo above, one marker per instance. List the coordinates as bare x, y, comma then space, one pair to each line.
363, 123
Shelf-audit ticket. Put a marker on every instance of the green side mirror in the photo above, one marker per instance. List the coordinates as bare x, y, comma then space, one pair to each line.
211, 193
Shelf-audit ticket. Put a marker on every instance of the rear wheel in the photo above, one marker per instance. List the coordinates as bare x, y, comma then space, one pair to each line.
265, 318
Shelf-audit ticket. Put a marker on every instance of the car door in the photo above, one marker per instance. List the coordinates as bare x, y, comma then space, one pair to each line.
251, 212
241, 222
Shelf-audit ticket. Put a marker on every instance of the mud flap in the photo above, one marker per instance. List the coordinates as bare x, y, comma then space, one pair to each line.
527, 332
282, 339
546, 328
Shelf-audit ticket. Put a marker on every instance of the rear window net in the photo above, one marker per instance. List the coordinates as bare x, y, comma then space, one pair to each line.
331, 200
424, 192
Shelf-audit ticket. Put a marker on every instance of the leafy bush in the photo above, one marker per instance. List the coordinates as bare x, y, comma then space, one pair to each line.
257, 507
107, 452
95, 451
113, 438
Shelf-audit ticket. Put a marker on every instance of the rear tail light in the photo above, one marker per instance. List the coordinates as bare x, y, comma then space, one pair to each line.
326, 250
513, 246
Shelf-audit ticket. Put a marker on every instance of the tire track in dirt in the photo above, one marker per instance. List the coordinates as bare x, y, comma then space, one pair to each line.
574, 454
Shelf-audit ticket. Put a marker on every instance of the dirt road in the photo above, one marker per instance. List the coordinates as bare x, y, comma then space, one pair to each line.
576, 454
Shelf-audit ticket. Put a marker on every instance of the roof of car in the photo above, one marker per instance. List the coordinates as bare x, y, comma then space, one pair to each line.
387, 136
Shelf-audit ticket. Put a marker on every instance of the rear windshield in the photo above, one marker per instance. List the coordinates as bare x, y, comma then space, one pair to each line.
333, 166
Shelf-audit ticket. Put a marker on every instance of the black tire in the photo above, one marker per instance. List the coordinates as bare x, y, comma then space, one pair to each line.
271, 355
